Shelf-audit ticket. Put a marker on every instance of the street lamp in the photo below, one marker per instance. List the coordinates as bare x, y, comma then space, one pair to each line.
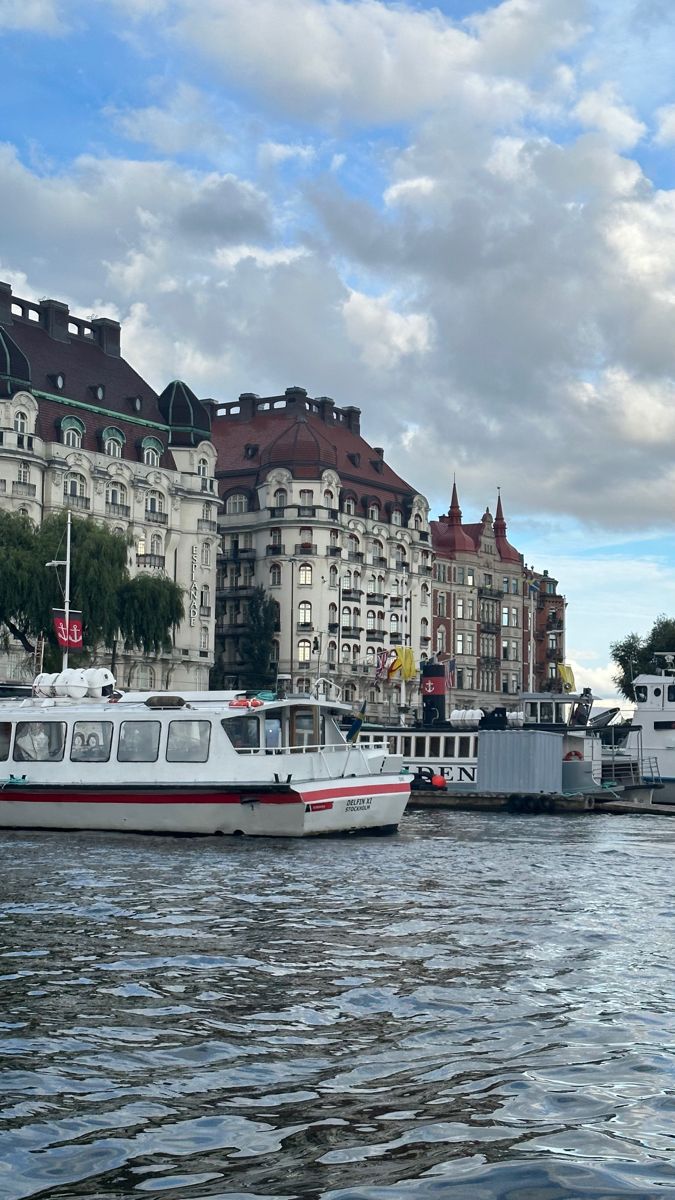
66, 593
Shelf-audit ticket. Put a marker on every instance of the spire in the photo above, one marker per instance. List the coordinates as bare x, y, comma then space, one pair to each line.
499, 522
454, 512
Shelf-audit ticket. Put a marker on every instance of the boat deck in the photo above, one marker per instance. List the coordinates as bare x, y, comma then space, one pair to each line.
597, 804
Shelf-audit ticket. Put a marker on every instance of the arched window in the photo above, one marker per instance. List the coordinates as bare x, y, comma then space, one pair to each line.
203, 468
305, 574
349, 693
395, 622
113, 440
275, 575
156, 546
333, 577
154, 502
425, 595
206, 554
237, 503
370, 619
24, 472
145, 678
204, 638
378, 549
329, 499
152, 450
370, 656
280, 498
332, 652
304, 651
346, 653
332, 614
205, 596
74, 485
400, 558
206, 512
356, 652
115, 493
20, 421
424, 628
349, 507
440, 639
305, 613
346, 617
353, 544
374, 512
396, 518
72, 431
418, 521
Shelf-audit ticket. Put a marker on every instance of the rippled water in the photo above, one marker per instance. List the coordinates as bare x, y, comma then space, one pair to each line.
482, 1006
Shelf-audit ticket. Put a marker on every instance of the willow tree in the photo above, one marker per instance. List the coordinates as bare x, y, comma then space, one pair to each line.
635, 655
256, 646
142, 610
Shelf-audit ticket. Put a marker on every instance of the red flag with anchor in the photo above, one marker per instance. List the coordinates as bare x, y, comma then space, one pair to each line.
68, 634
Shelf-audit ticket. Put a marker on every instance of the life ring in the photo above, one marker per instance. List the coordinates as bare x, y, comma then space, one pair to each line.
572, 755
255, 703
242, 702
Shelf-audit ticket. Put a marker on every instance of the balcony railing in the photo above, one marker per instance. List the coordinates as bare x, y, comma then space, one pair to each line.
306, 510
117, 510
69, 501
23, 489
305, 548
205, 526
351, 631
374, 635
554, 654
225, 626
205, 610
425, 571
423, 535
350, 593
490, 593
335, 551
275, 548
355, 556
489, 626
277, 511
152, 561
154, 517
304, 627
396, 601
379, 561
333, 514
375, 597
247, 552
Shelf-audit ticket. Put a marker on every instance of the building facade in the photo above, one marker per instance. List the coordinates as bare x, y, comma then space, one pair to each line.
487, 603
81, 430
315, 515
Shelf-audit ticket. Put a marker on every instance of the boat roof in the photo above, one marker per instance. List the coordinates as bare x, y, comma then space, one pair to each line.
225, 704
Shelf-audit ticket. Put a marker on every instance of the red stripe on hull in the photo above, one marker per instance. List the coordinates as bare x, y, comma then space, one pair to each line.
367, 789
51, 795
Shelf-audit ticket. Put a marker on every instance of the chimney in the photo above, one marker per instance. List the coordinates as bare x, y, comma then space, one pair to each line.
352, 417
107, 334
379, 450
247, 406
5, 304
295, 396
326, 407
54, 318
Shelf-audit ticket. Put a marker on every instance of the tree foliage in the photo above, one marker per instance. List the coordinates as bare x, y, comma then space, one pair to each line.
256, 646
142, 609
634, 655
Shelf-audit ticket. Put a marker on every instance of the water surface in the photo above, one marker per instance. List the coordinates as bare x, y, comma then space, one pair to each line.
480, 1007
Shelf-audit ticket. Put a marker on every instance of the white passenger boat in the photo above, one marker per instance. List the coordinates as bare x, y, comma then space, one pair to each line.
654, 722
196, 763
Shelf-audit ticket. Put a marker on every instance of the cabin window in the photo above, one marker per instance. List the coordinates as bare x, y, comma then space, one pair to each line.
91, 741
188, 741
464, 747
303, 728
407, 747
671, 693
641, 695
139, 741
243, 732
449, 747
434, 747
5, 738
39, 741
420, 747
272, 733
546, 716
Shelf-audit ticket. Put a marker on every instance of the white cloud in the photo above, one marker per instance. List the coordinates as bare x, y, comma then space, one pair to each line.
383, 335
270, 154
183, 123
408, 190
600, 109
31, 16
665, 132
230, 256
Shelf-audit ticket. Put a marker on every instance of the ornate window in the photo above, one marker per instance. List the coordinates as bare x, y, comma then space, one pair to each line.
238, 503
113, 441
204, 638
20, 421
333, 577
332, 614
206, 512
370, 619
374, 512
396, 518
440, 639
115, 493
305, 612
280, 498
346, 653
203, 468
306, 498
154, 502
304, 651
74, 485
329, 499
305, 574
206, 554
349, 507
24, 472
395, 622
275, 575
156, 544
332, 652
72, 431
152, 450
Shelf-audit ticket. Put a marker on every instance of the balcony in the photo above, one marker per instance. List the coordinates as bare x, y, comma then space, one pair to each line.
490, 593
23, 489
554, 654
306, 510
489, 626
423, 535
236, 589
400, 566
375, 597
81, 502
305, 548
205, 610
355, 556
350, 593
425, 571
277, 512
117, 510
275, 548
231, 628
154, 517
396, 601
424, 640
554, 623
379, 561
333, 514
374, 635
204, 526
208, 485
335, 551
304, 627
247, 552
352, 631
152, 562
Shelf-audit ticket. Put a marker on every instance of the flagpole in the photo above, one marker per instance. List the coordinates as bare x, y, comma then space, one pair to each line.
531, 646
66, 598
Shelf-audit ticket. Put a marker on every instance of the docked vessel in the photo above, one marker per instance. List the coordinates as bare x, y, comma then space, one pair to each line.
654, 722
79, 756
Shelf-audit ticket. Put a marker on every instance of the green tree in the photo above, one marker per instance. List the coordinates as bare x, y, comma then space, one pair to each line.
256, 647
634, 655
141, 610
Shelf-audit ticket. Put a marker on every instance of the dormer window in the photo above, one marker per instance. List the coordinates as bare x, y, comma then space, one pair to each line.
396, 517
349, 507
72, 432
20, 421
373, 512
152, 450
98, 391
113, 440
135, 403
203, 468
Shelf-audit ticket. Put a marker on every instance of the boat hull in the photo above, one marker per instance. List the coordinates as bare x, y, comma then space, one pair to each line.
319, 807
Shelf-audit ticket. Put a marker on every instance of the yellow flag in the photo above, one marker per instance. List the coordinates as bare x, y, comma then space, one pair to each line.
567, 677
409, 669
396, 662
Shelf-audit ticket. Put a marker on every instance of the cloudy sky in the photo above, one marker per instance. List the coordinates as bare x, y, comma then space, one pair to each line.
459, 216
